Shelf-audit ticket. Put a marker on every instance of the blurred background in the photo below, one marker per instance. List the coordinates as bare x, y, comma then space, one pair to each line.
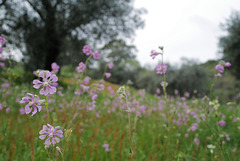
195, 36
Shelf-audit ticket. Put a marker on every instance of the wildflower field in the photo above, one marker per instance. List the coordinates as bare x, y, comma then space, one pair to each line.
81, 119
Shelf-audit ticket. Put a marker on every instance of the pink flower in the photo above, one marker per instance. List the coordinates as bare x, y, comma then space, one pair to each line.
55, 67
81, 67
52, 133
1, 106
154, 54
218, 75
108, 75
2, 40
49, 83
87, 50
22, 111
164, 84
196, 141
194, 127
110, 65
2, 65
161, 68
96, 55
158, 91
8, 110
33, 104
5, 85
106, 146
222, 123
219, 68
227, 64
86, 80
94, 97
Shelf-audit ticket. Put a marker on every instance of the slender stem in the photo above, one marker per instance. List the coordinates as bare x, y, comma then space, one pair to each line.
218, 142
47, 107
129, 123
104, 72
86, 63
212, 85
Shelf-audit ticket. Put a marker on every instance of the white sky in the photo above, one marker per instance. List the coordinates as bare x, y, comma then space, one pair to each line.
186, 28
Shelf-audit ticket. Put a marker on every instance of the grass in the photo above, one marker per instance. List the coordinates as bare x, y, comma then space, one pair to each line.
157, 135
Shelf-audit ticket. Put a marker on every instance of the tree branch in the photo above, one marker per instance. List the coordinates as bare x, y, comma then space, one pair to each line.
1, 4
35, 8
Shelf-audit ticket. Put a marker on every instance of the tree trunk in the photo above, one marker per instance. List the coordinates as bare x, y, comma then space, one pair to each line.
51, 36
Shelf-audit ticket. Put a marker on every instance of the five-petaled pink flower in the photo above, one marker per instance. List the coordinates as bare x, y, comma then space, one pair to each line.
96, 55
87, 50
161, 68
33, 103
52, 133
49, 83
81, 67
55, 67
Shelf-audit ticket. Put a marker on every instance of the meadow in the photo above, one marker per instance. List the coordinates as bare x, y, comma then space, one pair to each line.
81, 119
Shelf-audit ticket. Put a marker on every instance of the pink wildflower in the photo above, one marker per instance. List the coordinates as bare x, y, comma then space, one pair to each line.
2, 40
218, 75
161, 68
158, 91
22, 111
94, 97
2, 65
106, 146
96, 55
87, 50
227, 64
49, 81
196, 141
33, 104
154, 54
5, 85
81, 67
110, 65
8, 110
219, 68
1, 106
52, 133
108, 75
222, 123
55, 67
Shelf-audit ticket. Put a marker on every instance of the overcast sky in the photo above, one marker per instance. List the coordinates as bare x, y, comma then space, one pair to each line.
186, 28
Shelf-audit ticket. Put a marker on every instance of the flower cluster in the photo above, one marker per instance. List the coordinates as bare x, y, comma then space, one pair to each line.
220, 68
161, 68
88, 51
81, 67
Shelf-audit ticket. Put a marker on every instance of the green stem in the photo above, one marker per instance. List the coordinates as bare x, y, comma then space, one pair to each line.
130, 135
104, 72
46, 103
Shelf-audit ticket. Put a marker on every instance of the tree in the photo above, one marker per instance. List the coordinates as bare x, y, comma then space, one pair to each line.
44, 29
230, 43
